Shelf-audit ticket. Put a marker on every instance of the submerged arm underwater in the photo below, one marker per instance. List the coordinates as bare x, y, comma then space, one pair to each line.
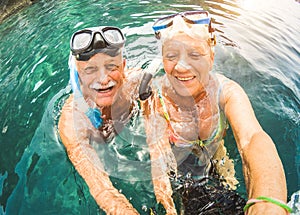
86, 161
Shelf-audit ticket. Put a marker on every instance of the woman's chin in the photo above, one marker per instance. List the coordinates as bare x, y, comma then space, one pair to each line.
182, 91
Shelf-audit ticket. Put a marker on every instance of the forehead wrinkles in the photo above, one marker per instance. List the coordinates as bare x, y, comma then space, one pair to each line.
198, 45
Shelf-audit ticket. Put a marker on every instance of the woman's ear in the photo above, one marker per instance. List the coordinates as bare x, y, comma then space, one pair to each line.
212, 57
124, 66
124, 63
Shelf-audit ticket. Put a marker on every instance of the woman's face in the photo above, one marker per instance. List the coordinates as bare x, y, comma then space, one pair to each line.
101, 77
187, 62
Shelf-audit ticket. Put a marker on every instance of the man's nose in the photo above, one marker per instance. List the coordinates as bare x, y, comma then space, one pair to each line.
102, 75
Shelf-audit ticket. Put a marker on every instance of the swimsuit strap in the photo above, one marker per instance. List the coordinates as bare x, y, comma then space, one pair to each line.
172, 134
217, 134
222, 123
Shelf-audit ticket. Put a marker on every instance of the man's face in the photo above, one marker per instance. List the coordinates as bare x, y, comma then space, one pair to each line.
101, 77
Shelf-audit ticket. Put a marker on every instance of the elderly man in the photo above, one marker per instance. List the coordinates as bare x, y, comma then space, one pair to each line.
101, 130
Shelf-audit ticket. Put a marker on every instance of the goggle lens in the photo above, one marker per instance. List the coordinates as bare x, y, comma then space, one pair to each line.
113, 36
81, 40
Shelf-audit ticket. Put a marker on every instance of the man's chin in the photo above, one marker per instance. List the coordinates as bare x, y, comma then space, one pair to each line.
105, 99
104, 102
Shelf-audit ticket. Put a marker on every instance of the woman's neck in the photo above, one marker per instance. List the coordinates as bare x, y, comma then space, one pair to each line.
184, 102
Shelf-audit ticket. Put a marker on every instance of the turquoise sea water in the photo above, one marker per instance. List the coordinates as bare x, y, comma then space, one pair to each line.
258, 46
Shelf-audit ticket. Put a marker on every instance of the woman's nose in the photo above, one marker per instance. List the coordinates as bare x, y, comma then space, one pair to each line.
182, 65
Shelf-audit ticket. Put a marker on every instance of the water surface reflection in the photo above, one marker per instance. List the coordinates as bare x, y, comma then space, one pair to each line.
257, 47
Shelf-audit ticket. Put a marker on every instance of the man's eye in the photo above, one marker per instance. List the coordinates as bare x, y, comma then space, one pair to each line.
111, 67
90, 70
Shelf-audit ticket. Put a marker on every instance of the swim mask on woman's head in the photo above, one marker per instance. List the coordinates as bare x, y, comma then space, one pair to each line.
87, 42
196, 24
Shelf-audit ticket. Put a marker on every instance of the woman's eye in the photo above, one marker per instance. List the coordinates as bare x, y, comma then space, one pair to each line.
171, 56
195, 54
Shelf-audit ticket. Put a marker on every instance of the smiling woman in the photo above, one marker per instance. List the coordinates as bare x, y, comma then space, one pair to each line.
195, 106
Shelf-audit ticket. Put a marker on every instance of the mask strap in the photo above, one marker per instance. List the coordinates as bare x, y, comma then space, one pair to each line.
94, 114
74, 79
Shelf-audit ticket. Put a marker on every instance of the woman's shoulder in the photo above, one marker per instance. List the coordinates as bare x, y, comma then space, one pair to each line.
229, 90
227, 84
222, 79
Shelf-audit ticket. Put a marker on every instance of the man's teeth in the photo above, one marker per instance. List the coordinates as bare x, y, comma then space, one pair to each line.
101, 87
185, 78
107, 86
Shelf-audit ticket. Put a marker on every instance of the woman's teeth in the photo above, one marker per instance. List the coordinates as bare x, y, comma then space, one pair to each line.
185, 78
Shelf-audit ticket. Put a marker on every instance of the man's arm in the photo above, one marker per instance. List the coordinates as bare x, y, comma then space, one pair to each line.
161, 156
88, 165
262, 167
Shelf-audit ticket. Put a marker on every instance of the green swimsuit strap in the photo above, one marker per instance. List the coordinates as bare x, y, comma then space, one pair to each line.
217, 134
222, 124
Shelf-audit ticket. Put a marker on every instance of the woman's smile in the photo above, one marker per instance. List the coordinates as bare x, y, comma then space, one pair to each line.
185, 78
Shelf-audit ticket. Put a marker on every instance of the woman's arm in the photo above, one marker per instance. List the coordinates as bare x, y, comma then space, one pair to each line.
262, 167
88, 165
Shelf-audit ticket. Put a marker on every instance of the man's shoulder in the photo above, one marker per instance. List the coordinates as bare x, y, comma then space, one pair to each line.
66, 113
68, 106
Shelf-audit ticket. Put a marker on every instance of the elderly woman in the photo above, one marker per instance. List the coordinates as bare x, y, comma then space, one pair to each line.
188, 112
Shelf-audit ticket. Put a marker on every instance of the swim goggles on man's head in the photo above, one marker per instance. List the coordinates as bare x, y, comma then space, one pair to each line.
87, 42
191, 17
